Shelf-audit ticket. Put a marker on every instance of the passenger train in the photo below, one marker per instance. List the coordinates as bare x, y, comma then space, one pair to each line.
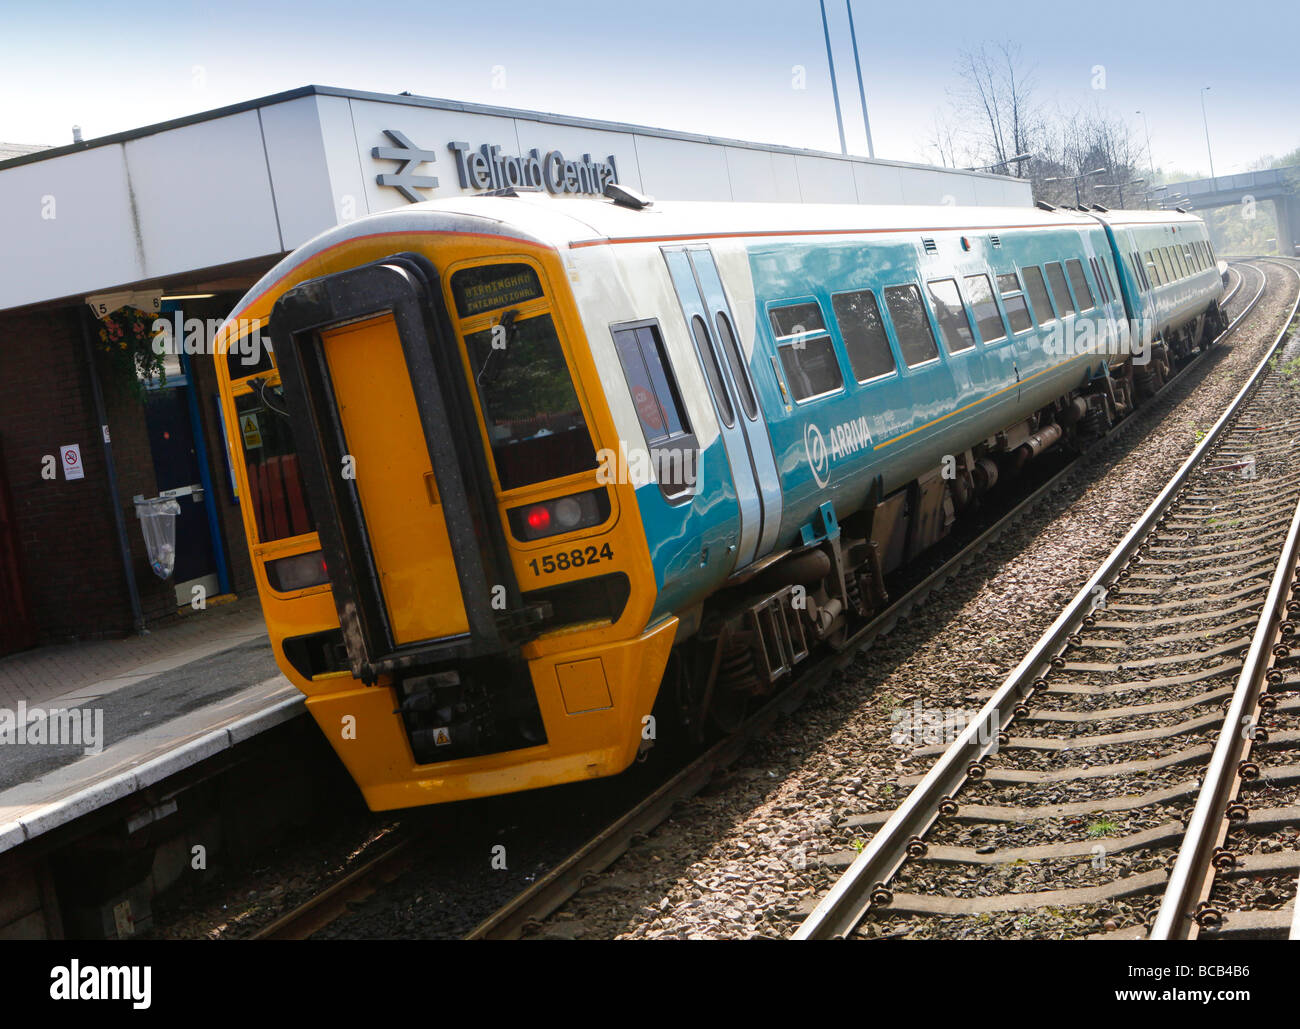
531, 482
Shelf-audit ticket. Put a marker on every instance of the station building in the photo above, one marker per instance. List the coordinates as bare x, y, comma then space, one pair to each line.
177, 220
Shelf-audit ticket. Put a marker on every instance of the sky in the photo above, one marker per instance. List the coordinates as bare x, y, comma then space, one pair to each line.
720, 67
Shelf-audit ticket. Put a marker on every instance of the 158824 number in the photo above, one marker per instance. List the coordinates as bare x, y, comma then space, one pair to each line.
578, 557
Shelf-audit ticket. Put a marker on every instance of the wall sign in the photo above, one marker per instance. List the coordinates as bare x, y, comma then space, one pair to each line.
70, 456
488, 168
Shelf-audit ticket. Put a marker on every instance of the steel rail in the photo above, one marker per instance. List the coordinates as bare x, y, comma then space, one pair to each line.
864, 882
1192, 877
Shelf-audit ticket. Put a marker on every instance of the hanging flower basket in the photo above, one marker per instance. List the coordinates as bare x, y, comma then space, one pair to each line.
128, 349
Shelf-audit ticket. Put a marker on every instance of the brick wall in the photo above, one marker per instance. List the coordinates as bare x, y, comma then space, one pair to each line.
74, 580
72, 564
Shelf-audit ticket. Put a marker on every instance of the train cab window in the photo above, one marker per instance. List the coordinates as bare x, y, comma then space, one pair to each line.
1037, 289
1013, 300
915, 337
1079, 280
954, 322
657, 400
1060, 292
1180, 252
1170, 268
1189, 259
534, 421
739, 370
277, 493
711, 369
863, 332
987, 316
807, 354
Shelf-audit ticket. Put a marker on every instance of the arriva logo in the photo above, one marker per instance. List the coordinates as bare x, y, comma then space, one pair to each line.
844, 439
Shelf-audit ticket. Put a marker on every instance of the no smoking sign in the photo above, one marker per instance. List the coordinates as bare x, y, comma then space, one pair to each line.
71, 459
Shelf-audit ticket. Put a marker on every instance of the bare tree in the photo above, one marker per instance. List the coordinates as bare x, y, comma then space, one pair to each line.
997, 94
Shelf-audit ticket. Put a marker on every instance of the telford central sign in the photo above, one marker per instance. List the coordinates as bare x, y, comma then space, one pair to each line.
488, 168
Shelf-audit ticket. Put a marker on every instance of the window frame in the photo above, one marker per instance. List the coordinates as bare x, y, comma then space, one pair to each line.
965, 312
1042, 281
894, 356
995, 296
1087, 287
929, 321
686, 439
1065, 280
1019, 291
788, 341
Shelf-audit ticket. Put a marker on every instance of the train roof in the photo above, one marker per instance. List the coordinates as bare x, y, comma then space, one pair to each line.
566, 222
572, 222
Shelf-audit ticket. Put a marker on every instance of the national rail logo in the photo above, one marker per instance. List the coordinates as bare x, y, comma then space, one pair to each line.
839, 441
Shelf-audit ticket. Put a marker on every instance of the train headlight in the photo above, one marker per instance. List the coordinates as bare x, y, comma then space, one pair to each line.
287, 574
558, 515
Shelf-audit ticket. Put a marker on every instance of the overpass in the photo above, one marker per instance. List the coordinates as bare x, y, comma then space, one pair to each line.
1280, 185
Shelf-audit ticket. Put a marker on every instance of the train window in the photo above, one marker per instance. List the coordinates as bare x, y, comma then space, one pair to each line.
711, 369
987, 315
1174, 272
1037, 288
534, 420
915, 337
1110, 272
863, 332
649, 376
1189, 259
811, 367
1079, 280
1060, 292
658, 403
1183, 263
796, 320
954, 323
1013, 300
739, 370
1167, 264
276, 491
1152, 271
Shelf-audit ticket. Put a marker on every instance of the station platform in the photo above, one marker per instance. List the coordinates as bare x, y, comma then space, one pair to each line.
85, 724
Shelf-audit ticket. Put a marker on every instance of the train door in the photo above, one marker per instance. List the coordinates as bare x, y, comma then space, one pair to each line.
749, 449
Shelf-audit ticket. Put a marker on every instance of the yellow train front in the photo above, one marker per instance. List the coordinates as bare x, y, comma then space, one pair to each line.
443, 572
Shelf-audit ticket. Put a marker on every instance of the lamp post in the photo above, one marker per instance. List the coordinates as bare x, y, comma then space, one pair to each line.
1120, 186
1000, 164
1076, 179
835, 89
1151, 164
871, 150
1206, 121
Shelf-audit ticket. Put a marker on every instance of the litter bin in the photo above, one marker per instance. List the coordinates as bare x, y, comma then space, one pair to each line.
158, 523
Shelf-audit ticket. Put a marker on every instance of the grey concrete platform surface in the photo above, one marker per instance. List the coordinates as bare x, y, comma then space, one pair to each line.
83, 725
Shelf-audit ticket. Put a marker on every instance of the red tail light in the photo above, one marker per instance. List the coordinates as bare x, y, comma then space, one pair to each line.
559, 515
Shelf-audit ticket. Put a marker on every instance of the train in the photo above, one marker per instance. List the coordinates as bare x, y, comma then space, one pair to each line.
531, 483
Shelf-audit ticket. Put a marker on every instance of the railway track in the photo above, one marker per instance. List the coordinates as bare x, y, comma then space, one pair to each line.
1138, 769
531, 907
